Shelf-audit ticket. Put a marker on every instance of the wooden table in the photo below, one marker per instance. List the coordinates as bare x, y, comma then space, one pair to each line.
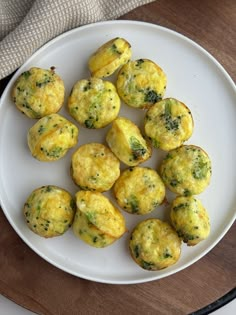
32, 282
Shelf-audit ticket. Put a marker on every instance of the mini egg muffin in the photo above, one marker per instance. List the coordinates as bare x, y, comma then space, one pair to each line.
154, 245
94, 103
94, 167
141, 83
168, 124
38, 92
49, 211
127, 143
186, 170
109, 57
51, 136
97, 222
89, 233
139, 190
190, 219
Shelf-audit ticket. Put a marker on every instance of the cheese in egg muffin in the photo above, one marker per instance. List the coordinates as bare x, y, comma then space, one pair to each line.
154, 245
186, 170
94, 103
94, 167
51, 137
168, 124
141, 83
97, 222
49, 211
109, 57
127, 143
139, 190
38, 92
190, 219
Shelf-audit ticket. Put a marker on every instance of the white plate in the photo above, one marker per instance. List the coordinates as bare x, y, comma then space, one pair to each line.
194, 77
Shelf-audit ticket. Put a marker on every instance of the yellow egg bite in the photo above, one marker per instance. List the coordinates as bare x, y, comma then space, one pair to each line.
168, 124
38, 92
139, 190
186, 170
94, 167
127, 143
94, 103
109, 57
89, 233
154, 245
190, 219
49, 211
141, 83
97, 222
51, 137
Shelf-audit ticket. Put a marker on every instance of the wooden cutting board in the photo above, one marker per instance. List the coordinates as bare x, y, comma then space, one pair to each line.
35, 284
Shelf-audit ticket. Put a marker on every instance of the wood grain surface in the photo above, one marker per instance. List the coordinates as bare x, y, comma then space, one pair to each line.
35, 284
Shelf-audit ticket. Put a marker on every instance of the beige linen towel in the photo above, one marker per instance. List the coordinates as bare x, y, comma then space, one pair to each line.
25, 25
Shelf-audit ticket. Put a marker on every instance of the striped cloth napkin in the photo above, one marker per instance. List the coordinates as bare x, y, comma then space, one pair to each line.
25, 25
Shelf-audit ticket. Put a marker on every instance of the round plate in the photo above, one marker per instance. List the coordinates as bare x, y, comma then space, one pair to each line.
194, 77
